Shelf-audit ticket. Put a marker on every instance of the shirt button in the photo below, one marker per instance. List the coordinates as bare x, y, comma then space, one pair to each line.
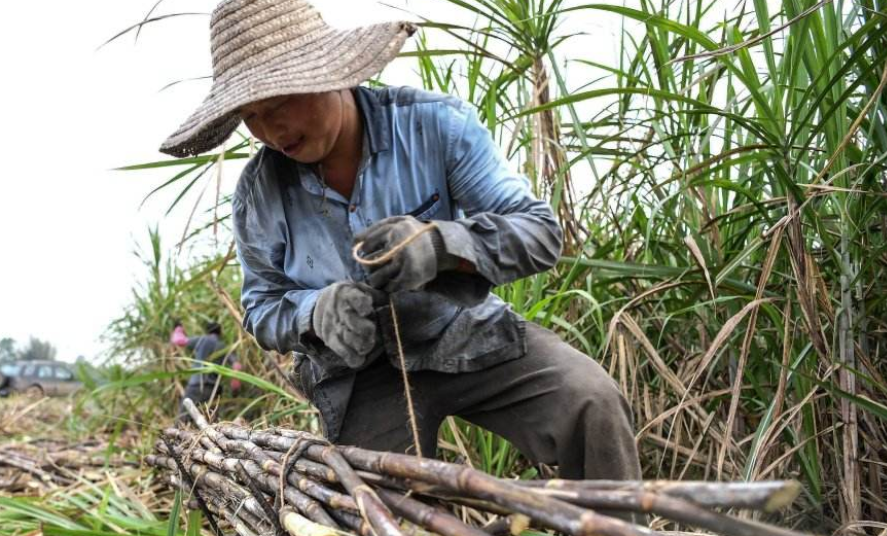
352, 208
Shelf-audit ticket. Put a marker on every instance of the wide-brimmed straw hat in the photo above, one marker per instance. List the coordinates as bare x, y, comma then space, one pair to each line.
268, 48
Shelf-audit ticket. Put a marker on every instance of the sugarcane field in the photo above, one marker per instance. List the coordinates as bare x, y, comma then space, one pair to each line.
444, 267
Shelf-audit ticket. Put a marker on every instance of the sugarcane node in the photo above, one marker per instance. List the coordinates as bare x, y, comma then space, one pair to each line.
647, 502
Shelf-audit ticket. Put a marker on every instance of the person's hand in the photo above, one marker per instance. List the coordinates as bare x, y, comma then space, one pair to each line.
344, 320
178, 336
412, 267
235, 383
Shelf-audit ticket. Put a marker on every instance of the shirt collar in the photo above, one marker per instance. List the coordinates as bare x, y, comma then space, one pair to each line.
374, 121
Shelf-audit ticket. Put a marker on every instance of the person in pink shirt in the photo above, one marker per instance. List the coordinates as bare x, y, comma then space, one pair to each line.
210, 348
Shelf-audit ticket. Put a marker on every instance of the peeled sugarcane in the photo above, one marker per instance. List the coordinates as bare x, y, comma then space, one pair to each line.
314, 487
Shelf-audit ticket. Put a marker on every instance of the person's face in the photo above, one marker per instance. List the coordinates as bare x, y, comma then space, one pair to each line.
303, 127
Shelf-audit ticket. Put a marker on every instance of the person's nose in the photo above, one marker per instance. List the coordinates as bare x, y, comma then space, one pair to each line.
277, 137
277, 131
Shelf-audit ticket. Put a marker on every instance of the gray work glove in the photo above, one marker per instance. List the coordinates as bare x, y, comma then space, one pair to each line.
344, 320
415, 265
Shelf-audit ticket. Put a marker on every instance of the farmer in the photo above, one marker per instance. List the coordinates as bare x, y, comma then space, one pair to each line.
343, 165
209, 348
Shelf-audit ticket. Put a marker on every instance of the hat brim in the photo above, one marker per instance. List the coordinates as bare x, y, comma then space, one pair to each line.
341, 59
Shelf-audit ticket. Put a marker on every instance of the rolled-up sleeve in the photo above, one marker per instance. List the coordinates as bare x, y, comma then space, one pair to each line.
508, 233
277, 311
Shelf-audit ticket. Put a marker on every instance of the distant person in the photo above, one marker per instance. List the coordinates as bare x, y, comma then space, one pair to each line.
210, 348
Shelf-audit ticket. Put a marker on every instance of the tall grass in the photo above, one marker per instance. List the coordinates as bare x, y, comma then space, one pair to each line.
732, 257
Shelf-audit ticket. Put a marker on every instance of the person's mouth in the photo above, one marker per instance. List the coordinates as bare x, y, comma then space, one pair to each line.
292, 148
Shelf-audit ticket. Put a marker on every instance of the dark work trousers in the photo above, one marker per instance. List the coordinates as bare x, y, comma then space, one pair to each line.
555, 404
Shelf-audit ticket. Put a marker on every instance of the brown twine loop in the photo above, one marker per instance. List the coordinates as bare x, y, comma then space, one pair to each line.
388, 255
382, 259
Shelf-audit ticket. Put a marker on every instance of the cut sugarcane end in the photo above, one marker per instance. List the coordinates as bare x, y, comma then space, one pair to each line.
783, 496
519, 523
298, 525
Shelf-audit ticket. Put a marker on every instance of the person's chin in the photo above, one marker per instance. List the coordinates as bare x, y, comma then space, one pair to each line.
304, 156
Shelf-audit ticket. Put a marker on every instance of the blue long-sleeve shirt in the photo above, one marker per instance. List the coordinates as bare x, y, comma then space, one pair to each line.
426, 155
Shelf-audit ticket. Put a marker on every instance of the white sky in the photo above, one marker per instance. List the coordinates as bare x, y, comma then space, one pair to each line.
68, 223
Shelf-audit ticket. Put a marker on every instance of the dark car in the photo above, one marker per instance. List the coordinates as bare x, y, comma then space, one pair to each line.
38, 378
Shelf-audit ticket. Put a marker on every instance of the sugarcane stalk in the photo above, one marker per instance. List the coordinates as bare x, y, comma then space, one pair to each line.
674, 508
768, 496
240, 527
411, 509
353, 522
381, 483
257, 494
371, 507
297, 525
19, 462
210, 480
550, 512
307, 467
426, 516
305, 504
242, 521
304, 484
187, 478
369, 504
203, 425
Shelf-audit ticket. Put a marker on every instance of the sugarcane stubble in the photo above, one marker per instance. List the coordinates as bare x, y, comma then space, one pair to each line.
377, 260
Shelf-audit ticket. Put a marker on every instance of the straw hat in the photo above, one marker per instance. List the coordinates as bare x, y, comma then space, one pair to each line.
268, 48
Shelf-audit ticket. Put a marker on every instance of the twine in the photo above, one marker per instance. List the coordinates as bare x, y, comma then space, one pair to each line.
388, 255
375, 261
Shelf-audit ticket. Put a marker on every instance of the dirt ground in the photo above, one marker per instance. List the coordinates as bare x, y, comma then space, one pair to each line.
41, 450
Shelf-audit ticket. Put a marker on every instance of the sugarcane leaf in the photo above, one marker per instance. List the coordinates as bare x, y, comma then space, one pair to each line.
195, 520
265, 385
42, 514
172, 528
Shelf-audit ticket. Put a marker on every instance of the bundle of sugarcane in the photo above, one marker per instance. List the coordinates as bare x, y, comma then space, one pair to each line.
281, 481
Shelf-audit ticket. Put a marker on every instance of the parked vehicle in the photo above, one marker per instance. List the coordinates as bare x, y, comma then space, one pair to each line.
38, 378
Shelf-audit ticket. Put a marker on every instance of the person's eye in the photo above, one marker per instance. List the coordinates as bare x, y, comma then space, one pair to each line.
280, 104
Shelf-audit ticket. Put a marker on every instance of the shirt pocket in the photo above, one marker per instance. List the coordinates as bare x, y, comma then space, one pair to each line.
427, 208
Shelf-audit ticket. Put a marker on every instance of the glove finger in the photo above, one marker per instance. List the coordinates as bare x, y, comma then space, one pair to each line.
358, 300
341, 349
377, 296
404, 280
328, 317
374, 240
355, 344
363, 334
383, 275
384, 224
362, 306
